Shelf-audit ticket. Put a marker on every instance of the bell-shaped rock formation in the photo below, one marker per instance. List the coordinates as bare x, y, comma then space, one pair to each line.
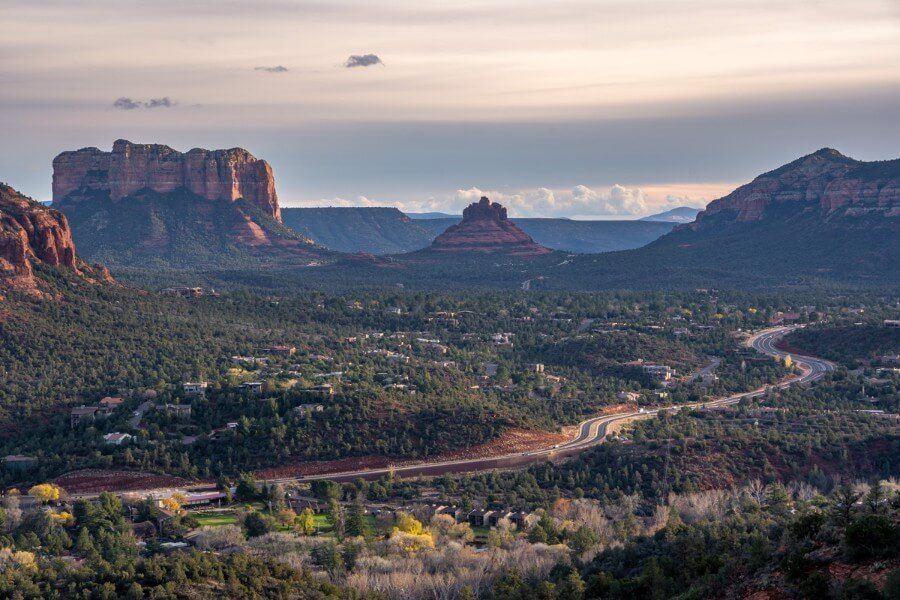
486, 229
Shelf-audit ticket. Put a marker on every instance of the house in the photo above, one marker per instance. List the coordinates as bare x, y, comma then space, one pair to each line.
83, 414
116, 438
181, 411
535, 367
109, 404
195, 389
281, 350
18, 462
628, 396
783, 317
324, 390
658, 372
476, 517
203, 498
144, 530
519, 519
892, 323
308, 409
251, 387
494, 517
184, 292
502, 339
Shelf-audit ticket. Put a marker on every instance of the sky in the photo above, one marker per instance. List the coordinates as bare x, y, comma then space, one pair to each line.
573, 108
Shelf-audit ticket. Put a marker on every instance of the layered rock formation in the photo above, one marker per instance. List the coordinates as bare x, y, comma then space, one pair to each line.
826, 184
486, 229
148, 206
211, 174
32, 233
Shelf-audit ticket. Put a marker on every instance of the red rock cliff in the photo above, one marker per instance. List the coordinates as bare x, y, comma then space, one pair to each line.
29, 233
213, 174
826, 182
485, 228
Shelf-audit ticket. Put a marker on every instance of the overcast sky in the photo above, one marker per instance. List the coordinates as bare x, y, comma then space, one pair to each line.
569, 108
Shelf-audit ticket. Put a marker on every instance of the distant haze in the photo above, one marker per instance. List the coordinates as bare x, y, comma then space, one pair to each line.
602, 109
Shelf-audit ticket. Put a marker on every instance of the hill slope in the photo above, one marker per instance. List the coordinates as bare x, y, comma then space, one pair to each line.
824, 218
357, 229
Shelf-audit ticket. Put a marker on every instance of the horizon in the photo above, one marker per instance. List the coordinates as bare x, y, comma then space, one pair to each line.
575, 109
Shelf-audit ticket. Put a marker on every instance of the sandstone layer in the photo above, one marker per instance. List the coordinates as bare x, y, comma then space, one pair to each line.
825, 183
211, 174
32, 233
486, 229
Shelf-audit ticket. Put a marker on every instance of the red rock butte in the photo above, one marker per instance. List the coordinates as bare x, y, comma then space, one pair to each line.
30, 233
212, 174
486, 229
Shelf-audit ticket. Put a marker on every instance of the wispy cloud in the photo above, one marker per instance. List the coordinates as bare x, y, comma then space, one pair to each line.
125, 103
275, 69
362, 60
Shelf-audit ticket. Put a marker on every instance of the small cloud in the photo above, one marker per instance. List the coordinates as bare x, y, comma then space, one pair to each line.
164, 102
275, 69
124, 103
362, 60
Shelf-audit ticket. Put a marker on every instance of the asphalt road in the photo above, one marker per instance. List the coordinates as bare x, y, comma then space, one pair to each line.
592, 431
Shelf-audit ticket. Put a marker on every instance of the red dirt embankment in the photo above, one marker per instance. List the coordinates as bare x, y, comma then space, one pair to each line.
512, 441
89, 481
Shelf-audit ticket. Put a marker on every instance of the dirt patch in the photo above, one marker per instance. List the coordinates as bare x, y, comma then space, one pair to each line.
89, 481
512, 441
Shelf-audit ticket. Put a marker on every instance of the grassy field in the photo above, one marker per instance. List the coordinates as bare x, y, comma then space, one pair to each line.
215, 519
227, 517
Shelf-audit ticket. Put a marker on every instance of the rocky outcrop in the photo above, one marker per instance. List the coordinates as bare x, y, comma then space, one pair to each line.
32, 233
825, 183
211, 174
486, 229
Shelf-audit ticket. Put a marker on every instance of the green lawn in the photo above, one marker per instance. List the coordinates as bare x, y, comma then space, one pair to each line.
215, 519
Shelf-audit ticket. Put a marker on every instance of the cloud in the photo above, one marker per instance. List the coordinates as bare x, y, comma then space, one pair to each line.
164, 102
125, 103
581, 200
362, 60
275, 69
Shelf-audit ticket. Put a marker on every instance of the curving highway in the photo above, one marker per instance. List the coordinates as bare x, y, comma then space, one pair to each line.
592, 431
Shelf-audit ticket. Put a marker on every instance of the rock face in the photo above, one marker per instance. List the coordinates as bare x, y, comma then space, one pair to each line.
32, 233
826, 184
211, 174
148, 206
486, 229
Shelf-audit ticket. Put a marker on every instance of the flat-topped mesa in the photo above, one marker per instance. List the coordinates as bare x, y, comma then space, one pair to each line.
212, 174
486, 229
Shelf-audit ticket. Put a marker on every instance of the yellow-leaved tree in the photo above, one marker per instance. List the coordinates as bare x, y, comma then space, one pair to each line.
409, 536
45, 492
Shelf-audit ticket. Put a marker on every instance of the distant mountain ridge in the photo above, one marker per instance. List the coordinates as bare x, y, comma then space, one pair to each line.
373, 230
386, 230
679, 214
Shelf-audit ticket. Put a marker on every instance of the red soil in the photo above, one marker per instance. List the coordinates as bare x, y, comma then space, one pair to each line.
89, 481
